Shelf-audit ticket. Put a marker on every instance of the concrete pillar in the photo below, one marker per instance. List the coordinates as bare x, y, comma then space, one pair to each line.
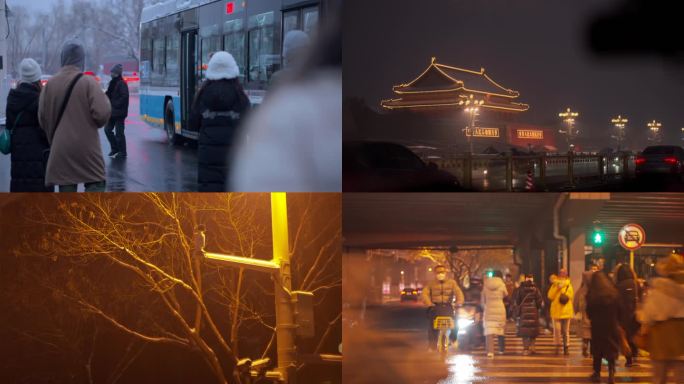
359, 285
576, 257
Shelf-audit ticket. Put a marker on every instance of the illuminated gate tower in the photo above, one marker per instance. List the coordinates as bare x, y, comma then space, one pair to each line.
446, 92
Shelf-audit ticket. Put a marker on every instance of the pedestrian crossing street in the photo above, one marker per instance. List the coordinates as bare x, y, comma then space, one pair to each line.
542, 367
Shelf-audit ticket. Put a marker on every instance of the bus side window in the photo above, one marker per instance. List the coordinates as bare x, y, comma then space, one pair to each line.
209, 43
234, 43
172, 68
158, 59
263, 57
310, 20
145, 59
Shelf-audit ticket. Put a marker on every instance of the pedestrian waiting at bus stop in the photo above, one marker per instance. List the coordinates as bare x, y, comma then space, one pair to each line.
117, 92
217, 110
71, 110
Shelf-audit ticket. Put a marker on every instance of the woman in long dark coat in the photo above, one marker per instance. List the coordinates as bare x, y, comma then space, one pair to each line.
629, 296
584, 326
528, 301
28, 139
603, 308
218, 108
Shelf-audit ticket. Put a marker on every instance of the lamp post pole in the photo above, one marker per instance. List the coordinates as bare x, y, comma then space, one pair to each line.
472, 107
619, 123
569, 118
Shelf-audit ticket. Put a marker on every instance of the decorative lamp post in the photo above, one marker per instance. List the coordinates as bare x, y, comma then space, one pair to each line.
619, 124
472, 107
654, 132
570, 132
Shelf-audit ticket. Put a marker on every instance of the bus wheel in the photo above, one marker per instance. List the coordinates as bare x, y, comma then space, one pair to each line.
170, 124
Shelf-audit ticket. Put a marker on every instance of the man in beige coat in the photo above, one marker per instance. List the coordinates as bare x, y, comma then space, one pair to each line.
75, 151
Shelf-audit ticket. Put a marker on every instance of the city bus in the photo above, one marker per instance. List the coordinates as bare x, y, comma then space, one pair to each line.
177, 38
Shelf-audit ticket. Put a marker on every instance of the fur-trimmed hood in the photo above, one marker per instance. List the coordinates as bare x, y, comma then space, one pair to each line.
493, 283
222, 65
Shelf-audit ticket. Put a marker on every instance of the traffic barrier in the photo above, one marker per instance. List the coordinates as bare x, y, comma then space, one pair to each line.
577, 166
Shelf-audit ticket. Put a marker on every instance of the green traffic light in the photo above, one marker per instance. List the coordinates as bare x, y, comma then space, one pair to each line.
598, 238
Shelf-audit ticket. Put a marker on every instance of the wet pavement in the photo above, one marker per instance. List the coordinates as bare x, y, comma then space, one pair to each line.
151, 165
390, 346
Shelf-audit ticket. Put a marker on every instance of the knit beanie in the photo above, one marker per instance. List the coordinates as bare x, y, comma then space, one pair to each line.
117, 69
30, 71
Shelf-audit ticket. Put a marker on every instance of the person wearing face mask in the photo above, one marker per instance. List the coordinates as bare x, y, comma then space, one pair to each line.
492, 299
561, 295
440, 295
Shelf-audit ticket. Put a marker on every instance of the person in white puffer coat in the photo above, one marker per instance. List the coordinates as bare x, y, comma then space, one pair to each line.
493, 294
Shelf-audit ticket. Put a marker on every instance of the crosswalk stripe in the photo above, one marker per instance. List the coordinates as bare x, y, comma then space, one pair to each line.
542, 367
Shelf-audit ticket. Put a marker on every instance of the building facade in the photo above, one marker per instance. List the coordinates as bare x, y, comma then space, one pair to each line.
471, 106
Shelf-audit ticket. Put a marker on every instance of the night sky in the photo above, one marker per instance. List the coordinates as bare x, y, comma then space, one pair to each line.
537, 47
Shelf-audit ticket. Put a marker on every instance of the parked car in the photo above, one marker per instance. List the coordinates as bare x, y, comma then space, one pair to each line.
409, 294
665, 160
382, 166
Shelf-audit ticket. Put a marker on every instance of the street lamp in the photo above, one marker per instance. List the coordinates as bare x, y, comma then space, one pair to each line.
619, 124
654, 129
569, 119
472, 107
291, 316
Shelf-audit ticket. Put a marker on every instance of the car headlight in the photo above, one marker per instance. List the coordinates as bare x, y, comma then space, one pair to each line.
463, 323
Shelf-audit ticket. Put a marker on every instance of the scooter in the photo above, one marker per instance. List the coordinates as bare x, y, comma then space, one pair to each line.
469, 323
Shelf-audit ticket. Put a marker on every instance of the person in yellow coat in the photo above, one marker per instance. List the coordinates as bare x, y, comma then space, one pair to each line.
561, 296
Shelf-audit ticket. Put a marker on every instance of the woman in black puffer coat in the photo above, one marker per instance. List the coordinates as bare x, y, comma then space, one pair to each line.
528, 302
218, 108
28, 139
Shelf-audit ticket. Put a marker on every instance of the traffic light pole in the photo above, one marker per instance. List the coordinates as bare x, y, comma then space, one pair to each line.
279, 269
285, 325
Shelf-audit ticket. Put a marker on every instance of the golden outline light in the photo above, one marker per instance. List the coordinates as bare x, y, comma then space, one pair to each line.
383, 103
433, 64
